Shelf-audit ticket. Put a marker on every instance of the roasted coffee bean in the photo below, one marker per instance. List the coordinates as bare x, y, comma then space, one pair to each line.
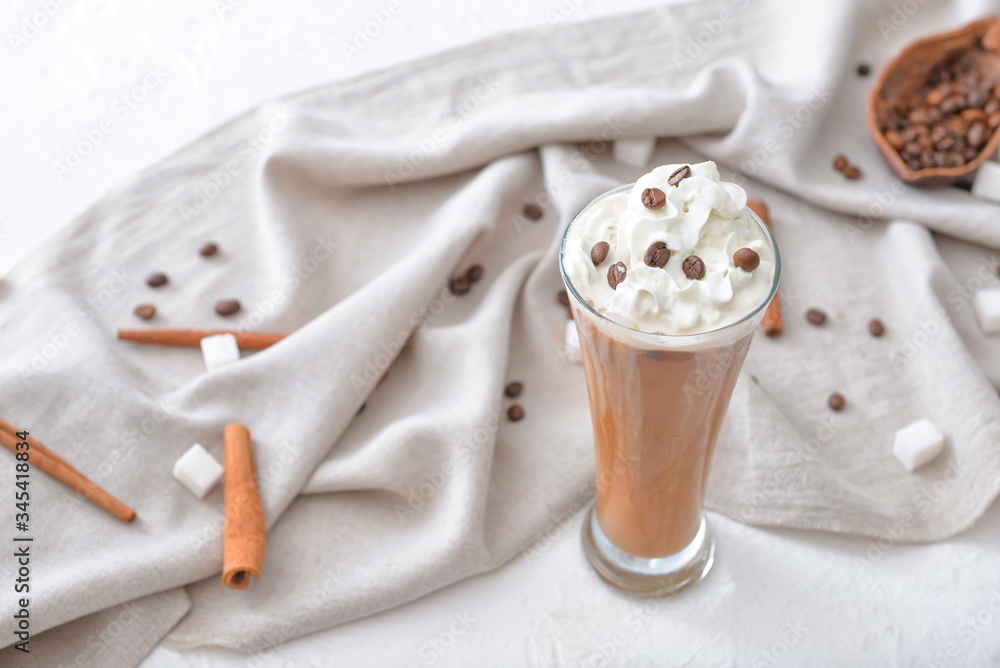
934, 114
209, 249
653, 198
992, 107
952, 159
515, 413
840, 162
914, 148
563, 297
156, 280
679, 175
815, 316
616, 274
919, 116
949, 105
852, 172
145, 311
227, 307
474, 273
994, 120
970, 154
836, 401
895, 139
875, 327
977, 134
694, 268
908, 134
513, 389
746, 259
864, 70
599, 253
532, 211
657, 255
459, 286
935, 97
973, 115
977, 98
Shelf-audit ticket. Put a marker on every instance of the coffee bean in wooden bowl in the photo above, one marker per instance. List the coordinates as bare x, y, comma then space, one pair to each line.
935, 109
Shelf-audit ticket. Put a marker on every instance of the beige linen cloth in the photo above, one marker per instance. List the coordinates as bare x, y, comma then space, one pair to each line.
343, 212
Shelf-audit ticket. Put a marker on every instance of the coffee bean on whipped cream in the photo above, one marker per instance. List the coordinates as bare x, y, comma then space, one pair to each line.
474, 273
679, 175
653, 198
836, 401
563, 297
876, 328
145, 311
746, 259
599, 253
515, 413
532, 211
815, 316
209, 249
657, 255
616, 274
459, 286
513, 389
156, 280
227, 307
694, 268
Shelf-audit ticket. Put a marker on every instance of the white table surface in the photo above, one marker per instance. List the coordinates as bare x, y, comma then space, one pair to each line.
773, 598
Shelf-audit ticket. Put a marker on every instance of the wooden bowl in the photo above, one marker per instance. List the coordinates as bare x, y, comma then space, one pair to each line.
907, 74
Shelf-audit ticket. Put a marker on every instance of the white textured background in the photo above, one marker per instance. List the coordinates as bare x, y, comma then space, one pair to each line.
774, 597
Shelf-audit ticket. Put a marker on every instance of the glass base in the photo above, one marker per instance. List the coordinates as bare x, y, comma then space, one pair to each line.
660, 576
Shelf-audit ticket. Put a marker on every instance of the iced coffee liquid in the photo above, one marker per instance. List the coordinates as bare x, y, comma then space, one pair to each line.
656, 416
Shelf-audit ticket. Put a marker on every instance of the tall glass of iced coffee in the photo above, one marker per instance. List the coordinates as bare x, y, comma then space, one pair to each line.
668, 280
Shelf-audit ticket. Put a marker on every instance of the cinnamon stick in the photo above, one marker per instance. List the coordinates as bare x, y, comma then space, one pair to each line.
191, 338
245, 534
773, 323
49, 462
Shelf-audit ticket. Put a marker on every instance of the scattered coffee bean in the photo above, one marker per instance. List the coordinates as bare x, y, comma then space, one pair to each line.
746, 259
532, 211
474, 273
815, 316
840, 163
876, 328
616, 274
836, 401
209, 249
694, 268
145, 311
653, 198
657, 255
563, 297
514, 389
852, 172
227, 307
156, 280
679, 175
515, 413
864, 70
459, 286
599, 253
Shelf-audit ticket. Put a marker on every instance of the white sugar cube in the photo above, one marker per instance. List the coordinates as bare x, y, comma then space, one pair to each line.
986, 304
634, 152
917, 444
986, 183
198, 470
219, 350
572, 342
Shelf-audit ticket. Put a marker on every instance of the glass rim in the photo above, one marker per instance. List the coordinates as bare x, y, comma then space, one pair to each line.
683, 337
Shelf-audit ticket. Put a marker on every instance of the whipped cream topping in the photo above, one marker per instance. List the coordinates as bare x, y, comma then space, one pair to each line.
703, 216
